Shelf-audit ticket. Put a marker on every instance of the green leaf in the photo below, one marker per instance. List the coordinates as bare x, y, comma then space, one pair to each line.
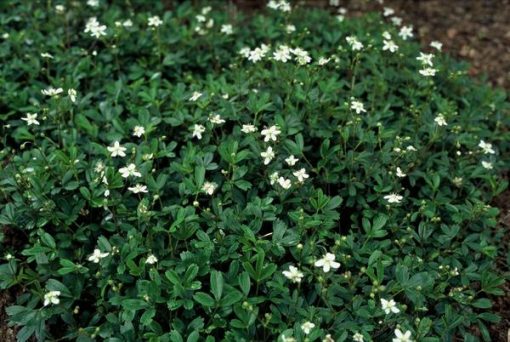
204, 299
216, 284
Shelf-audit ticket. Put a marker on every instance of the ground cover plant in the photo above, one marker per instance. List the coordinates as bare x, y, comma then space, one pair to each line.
193, 174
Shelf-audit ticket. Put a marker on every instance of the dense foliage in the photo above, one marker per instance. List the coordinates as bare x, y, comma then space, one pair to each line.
193, 174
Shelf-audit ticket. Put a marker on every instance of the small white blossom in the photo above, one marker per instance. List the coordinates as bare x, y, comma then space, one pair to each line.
399, 173
282, 54
397, 21
94, 28
129, 170
138, 131
402, 337
357, 337
291, 160
357, 106
389, 45
354, 43
96, 256
46, 55
195, 96
436, 45
271, 133
290, 28
388, 11
31, 119
301, 175
248, 129
197, 131
327, 262
486, 147
138, 188
285, 183
440, 120
406, 32
273, 178
393, 198
60, 8
389, 306
72, 95
51, 297
209, 187
428, 72
93, 3
293, 274
154, 21
302, 56
280, 5
216, 119
487, 165
151, 259
328, 338
323, 61
52, 91
257, 54
268, 155
425, 58
227, 29
245, 52
307, 327
117, 150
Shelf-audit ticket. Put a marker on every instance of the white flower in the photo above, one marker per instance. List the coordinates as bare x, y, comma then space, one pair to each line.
397, 21
273, 178
227, 29
291, 160
245, 52
327, 262
31, 119
436, 45
301, 175
357, 106
386, 35
195, 96
46, 55
328, 338
127, 23
399, 173
209, 187
411, 148
357, 337
393, 198
440, 120
271, 133
154, 21
487, 165
406, 32
302, 56
389, 306
93, 3
268, 155
288, 339
138, 188
425, 58
216, 119
117, 150
51, 297
197, 131
388, 11
151, 259
52, 91
355, 44
290, 28
60, 8
281, 5
72, 95
486, 147
129, 170
323, 61
284, 183
257, 54
138, 131
389, 45
307, 327
402, 337
248, 129
428, 72
282, 54
96, 256
293, 274
95, 28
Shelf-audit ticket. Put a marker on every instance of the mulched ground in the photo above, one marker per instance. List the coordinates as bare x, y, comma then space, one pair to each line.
474, 30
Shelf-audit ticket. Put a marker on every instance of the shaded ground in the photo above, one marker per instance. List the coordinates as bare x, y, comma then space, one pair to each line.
474, 30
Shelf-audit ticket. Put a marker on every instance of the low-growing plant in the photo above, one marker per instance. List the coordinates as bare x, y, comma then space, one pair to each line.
195, 174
